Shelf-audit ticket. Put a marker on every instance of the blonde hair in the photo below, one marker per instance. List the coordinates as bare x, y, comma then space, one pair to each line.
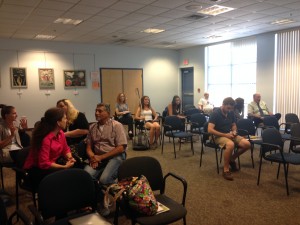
72, 112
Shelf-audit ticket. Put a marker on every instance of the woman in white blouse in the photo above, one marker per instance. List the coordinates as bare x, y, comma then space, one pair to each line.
147, 114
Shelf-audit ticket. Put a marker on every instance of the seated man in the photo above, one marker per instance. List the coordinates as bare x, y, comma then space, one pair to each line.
205, 105
258, 109
222, 125
106, 146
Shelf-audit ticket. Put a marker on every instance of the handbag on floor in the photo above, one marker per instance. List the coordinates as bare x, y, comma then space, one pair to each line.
140, 141
137, 192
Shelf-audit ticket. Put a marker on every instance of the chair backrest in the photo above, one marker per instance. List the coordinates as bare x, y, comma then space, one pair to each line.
143, 165
197, 120
20, 156
246, 124
64, 191
190, 112
271, 121
175, 122
291, 118
188, 106
271, 136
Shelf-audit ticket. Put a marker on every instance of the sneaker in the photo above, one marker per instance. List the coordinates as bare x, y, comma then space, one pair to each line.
227, 175
130, 134
233, 166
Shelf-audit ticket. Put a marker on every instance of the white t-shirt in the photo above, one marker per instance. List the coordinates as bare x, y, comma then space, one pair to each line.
147, 114
207, 106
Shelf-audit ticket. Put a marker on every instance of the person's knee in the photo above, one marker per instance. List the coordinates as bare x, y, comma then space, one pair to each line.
229, 145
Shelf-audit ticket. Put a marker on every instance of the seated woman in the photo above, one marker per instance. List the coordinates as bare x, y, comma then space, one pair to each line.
123, 114
47, 146
239, 109
174, 108
11, 137
149, 116
77, 128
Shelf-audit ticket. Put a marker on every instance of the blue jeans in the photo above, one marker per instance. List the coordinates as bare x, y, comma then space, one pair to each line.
107, 174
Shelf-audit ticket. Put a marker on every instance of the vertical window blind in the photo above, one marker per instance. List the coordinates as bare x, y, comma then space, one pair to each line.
287, 72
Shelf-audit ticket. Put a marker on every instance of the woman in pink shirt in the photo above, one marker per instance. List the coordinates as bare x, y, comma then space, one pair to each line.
48, 144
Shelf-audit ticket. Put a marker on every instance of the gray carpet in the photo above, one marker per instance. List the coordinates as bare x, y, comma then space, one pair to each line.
211, 200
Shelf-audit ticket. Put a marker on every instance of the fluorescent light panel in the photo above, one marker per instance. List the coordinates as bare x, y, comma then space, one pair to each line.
283, 21
68, 21
44, 37
215, 10
153, 31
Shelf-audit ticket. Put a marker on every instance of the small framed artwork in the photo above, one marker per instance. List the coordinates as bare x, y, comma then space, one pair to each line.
74, 78
46, 78
18, 77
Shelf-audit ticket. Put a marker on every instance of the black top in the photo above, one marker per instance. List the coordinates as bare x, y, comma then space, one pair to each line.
222, 123
80, 123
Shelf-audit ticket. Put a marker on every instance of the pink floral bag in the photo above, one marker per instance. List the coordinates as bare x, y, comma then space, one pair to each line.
138, 193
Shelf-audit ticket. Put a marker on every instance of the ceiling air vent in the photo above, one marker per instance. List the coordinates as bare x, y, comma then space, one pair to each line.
195, 17
121, 41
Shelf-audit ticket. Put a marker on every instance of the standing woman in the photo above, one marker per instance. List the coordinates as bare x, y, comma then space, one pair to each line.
147, 114
48, 144
123, 114
10, 135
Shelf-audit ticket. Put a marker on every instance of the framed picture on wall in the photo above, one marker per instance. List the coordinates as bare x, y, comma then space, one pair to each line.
46, 78
74, 78
18, 77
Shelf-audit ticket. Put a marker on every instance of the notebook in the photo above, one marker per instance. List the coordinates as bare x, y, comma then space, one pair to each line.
90, 219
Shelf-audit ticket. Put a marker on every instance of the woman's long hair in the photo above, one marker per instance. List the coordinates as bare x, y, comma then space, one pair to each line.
239, 104
6, 109
47, 124
142, 102
176, 107
72, 112
118, 98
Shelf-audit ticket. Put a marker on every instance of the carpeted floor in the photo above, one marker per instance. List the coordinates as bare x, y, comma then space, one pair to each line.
211, 200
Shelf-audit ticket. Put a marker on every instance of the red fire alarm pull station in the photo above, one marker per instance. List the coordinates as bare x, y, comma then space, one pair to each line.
198, 90
185, 62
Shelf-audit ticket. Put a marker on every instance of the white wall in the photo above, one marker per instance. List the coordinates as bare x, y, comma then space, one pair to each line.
160, 73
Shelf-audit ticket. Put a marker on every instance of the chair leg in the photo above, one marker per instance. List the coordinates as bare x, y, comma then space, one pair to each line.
174, 147
286, 181
162, 144
217, 160
201, 153
252, 148
278, 170
192, 145
184, 220
116, 216
259, 170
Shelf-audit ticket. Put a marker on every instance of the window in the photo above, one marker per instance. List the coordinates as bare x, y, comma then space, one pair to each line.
231, 71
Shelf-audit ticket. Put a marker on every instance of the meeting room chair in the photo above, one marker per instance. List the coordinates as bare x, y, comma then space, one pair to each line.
152, 170
174, 127
247, 129
62, 192
272, 150
290, 119
295, 138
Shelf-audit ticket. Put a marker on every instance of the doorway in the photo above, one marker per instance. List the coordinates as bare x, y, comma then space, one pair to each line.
187, 82
115, 81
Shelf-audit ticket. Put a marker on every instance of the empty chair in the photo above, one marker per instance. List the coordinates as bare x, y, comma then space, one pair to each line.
272, 121
152, 170
295, 138
63, 192
290, 118
272, 150
190, 112
247, 129
174, 127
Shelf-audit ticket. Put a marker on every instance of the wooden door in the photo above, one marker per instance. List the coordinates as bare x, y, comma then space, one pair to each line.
115, 81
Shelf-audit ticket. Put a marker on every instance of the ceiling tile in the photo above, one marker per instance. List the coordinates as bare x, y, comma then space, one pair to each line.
127, 6
46, 4
171, 4
85, 9
113, 13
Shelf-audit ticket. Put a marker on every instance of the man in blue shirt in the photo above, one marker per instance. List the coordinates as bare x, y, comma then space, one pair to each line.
222, 124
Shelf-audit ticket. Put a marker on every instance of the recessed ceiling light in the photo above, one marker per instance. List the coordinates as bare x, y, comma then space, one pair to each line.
212, 36
215, 10
283, 21
153, 31
68, 21
44, 37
